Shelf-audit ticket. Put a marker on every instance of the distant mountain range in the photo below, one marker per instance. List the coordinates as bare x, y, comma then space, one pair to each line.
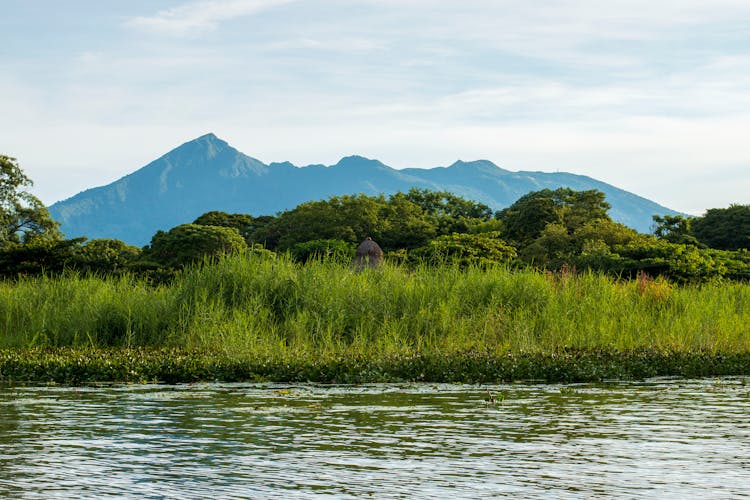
208, 174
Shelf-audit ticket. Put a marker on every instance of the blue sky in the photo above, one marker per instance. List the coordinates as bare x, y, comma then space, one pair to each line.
651, 96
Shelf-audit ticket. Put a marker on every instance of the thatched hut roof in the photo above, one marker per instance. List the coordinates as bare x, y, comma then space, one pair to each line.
368, 254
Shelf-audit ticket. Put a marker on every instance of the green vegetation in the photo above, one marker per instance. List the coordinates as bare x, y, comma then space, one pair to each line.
191, 243
549, 230
550, 288
724, 228
23, 218
253, 316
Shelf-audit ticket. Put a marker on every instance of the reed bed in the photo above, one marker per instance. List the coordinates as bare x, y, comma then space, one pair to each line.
275, 319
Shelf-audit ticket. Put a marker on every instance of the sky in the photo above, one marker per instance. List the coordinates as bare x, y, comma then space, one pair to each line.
652, 96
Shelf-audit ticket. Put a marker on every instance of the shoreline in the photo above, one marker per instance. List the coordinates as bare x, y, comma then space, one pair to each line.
71, 366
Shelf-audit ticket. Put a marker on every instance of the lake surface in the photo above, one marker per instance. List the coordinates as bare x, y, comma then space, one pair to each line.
658, 438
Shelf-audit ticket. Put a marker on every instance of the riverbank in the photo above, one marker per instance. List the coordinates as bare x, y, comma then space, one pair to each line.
254, 317
83, 366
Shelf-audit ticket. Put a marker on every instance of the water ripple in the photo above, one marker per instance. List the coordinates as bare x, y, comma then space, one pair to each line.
675, 438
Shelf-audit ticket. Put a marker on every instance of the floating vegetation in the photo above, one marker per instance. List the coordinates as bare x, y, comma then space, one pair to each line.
493, 398
82, 366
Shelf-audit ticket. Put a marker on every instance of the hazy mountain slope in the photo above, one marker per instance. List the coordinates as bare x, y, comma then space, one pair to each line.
208, 174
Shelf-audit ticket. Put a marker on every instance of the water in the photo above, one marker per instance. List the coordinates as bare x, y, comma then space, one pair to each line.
659, 438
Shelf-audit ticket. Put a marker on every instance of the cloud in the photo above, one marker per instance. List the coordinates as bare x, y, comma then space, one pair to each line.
651, 96
200, 16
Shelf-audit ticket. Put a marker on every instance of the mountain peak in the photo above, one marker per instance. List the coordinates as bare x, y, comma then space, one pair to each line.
209, 137
205, 147
356, 161
482, 165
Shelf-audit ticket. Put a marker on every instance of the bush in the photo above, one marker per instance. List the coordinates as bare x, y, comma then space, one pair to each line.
191, 243
322, 249
466, 250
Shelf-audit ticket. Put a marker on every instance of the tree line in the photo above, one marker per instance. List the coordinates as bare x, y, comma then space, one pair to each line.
547, 229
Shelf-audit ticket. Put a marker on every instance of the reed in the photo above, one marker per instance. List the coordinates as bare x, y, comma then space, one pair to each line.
250, 307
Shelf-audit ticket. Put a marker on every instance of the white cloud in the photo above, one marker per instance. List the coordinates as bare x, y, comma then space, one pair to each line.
650, 96
200, 16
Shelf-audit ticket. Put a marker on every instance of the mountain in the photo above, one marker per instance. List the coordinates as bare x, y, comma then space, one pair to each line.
208, 174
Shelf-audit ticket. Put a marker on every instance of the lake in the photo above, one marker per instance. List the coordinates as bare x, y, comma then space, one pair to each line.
657, 438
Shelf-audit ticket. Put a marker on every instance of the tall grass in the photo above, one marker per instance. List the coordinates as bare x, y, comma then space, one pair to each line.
82, 311
252, 306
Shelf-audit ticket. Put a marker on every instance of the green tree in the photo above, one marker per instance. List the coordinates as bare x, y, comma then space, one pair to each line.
23, 217
607, 231
345, 218
674, 229
724, 228
581, 207
393, 223
105, 256
552, 248
401, 221
466, 250
526, 218
39, 256
453, 213
404, 224
248, 226
557, 247
189, 243
679, 262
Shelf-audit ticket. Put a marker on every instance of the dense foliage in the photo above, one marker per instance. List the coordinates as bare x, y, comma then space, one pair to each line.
527, 218
191, 243
547, 229
482, 249
724, 228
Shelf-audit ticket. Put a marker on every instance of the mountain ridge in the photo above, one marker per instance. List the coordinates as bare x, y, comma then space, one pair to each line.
207, 174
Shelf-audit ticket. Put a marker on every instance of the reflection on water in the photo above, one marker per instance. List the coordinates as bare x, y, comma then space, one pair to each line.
660, 438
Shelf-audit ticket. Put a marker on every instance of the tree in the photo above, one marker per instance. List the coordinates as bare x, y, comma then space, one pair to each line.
345, 218
404, 224
724, 228
247, 225
557, 247
393, 223
39, 256
189, 243
526, 219
552, 248
581, 207
453, 213
105, 256
23, 217
682, 263
674, 229
481, 249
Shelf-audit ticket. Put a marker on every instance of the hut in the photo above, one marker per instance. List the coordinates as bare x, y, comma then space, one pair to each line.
369, 254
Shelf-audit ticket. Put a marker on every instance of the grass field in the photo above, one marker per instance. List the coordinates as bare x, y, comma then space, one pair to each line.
253, 317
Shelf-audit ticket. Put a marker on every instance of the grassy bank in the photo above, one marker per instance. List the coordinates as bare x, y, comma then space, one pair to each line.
250, 317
